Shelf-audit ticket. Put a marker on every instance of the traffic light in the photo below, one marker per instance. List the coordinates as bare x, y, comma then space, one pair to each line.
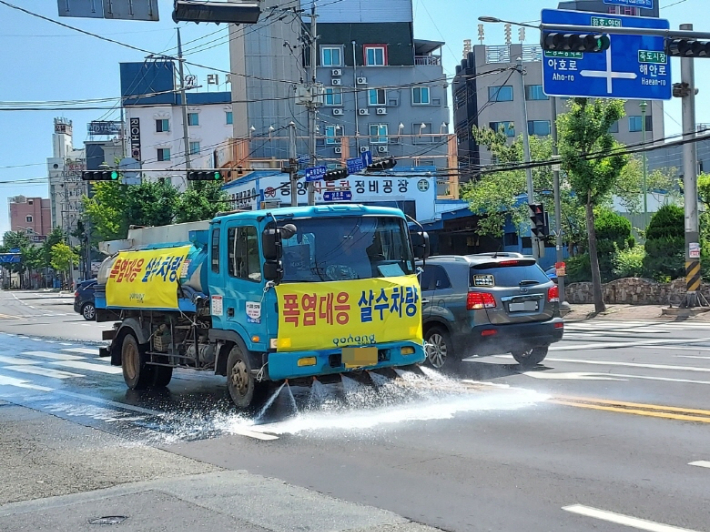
687, 48
204, 175
540, 228
382, 164
334, 175
554, 41
203, 11
99, 175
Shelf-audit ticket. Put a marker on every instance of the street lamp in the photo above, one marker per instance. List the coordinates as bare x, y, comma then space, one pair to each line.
496, 20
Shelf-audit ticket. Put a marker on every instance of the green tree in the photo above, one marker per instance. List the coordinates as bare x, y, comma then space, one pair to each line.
665, 244
593, 162
115, 207
55, 237
63, 257
201, 202
17, 240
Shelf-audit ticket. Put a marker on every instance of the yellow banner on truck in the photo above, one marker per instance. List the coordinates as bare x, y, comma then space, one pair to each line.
146, 279
348, 313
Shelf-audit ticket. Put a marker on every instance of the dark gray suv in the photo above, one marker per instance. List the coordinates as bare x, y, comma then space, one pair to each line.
488, 304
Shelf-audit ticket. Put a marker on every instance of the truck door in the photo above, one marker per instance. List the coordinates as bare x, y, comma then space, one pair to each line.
243, 303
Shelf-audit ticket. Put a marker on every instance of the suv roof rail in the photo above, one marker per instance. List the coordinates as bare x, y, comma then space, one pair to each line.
500, 254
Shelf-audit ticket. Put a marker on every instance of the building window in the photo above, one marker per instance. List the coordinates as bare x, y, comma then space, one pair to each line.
244, 260
541, 128
377, 97
614, 128
635, 124
332, 135
230, 117
30, 202
194, 148
420, 96
193, 119
378, 134
534, 92
331, 56
162, 125
28, 219
333, 96
502, 93
163, 154
507, 128
375, 55
649, 123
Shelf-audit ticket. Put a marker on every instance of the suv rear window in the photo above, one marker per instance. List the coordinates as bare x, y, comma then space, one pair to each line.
492, 274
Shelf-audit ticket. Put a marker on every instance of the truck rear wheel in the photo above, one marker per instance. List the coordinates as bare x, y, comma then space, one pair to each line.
243, 389
162, 376
137, 374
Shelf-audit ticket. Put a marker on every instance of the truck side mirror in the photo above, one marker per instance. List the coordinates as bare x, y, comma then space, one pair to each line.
271, 244
420, 243
273, 271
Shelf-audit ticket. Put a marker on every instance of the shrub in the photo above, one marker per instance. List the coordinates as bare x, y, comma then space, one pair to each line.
613, 234
629, 262
665, 244
579, 269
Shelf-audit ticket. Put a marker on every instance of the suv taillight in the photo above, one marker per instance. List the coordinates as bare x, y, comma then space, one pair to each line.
76, 294
480, 301
553, 295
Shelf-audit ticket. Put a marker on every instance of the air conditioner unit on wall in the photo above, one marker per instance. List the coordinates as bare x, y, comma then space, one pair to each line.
336, 72
381, 110
362, 81
363, 112
336, 81
363, 149
382, 149
338, 149
337, 112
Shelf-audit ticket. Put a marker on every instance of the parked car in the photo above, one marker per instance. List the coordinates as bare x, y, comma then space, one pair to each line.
84, 299
488, 304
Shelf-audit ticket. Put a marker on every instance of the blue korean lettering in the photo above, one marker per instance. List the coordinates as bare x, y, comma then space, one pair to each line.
396, 298
150, 269
410, 300
174, 266
384, 305
164, 268
365, 305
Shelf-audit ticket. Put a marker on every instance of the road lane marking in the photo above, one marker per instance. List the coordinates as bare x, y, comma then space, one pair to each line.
606, 345
88, 366
700, 463
44, 372
639, 409
83, 350
621, 519
19, 383
18, 361
635, 405
629, 364
243, 431
52, 356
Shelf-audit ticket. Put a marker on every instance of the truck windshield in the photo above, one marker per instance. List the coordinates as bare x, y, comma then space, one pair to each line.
337, 249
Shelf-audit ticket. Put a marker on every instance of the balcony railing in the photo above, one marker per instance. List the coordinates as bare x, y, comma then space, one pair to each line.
428, 60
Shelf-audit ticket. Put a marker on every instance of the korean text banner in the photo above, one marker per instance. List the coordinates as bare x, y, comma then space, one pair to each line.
146, 279
341, 314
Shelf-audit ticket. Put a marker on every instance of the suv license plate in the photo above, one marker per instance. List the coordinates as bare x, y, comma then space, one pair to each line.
525, 306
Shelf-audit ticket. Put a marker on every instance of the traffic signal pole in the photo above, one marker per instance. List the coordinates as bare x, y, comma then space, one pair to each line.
526, 151
312, 107
693, 298
558, 202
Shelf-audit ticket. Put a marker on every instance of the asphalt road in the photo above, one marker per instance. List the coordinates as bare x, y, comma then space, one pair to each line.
609, 434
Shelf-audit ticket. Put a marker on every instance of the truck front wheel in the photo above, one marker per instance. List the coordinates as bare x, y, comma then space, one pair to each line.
243, 389
137, 374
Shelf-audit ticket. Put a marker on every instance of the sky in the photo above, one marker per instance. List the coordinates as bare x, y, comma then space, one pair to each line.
43, 62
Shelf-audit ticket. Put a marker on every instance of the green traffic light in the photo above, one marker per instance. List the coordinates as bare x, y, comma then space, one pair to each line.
217, 176
114, 175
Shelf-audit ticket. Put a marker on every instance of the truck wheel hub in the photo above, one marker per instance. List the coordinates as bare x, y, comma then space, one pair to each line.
240, 377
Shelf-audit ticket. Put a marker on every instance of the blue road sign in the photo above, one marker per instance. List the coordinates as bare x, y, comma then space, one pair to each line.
643, 4
354, 165
337, 195
634, 67
315, 173
366, 158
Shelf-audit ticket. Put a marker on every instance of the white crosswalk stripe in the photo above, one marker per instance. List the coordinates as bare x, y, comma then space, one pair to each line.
44, 372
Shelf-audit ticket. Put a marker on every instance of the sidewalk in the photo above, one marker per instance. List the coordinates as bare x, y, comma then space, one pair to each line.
628, 313
64, 477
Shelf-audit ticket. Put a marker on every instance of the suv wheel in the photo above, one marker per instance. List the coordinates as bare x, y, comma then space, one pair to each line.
530, 357
88, 311
439, 351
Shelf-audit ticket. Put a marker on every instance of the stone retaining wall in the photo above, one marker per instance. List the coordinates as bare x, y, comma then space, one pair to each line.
632, 291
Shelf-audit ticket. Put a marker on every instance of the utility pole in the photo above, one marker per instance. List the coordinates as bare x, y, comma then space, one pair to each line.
558, 201
183, 104
312, 104
644, 106
293, 163
526, 151
693, 297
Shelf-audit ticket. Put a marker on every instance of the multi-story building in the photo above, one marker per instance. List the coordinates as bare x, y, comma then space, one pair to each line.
65, 185
32, 216
486, 93
382, 89
153, 117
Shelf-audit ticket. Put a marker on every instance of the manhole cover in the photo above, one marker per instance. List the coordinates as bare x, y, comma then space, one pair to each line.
108, 520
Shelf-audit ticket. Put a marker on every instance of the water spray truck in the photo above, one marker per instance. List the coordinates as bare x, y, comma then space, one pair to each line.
264, 296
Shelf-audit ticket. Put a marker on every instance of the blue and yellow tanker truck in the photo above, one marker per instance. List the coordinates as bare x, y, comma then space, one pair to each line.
264, 296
